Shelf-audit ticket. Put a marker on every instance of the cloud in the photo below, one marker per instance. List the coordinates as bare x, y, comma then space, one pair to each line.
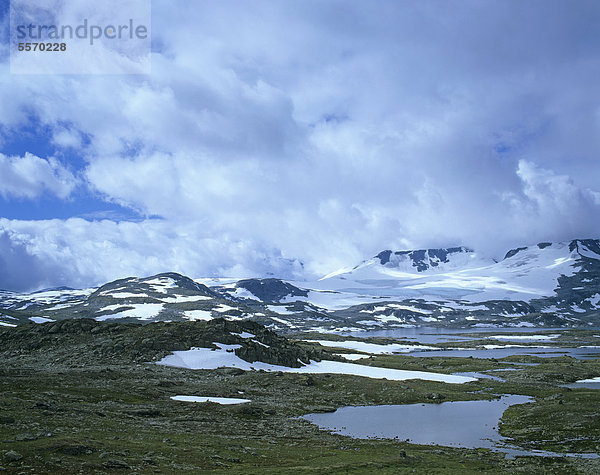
81, 253
554, 203
323, 131
30, 177
22, 271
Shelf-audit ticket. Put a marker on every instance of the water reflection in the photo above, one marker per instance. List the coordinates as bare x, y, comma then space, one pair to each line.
469, 424
466, 424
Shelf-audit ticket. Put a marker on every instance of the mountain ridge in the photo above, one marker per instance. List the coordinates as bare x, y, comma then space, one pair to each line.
547, 283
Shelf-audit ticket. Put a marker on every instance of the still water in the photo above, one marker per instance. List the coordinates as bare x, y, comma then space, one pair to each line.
432, 335
429, 335
581, 353
468, 424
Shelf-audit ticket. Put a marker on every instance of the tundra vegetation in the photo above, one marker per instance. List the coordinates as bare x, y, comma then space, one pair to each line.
80, 396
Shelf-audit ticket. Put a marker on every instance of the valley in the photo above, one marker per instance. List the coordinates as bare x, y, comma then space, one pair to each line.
166, 373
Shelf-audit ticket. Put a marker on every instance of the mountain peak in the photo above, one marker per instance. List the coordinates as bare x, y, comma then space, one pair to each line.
586, 248
589, 248
421, 259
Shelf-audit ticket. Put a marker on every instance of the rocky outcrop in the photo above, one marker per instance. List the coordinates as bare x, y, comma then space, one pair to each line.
85, 340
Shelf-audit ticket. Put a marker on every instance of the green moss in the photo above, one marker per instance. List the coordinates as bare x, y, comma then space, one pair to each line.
67, 415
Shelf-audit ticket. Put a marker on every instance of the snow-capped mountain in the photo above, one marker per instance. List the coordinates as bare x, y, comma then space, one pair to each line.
525, 273
543, 284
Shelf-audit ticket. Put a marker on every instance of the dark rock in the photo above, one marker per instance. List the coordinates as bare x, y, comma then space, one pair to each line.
249, 410
435, 396
421, 259
12, 456
271, 290
116, 464
514, 252
231, 371
76, 450
150, 412
384, 257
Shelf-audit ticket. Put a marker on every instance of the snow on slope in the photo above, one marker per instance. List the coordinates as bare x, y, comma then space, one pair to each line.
144, 311
393, 289
206, 358
525, 274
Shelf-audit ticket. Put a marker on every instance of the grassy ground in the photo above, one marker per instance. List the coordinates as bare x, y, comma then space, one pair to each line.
115, 416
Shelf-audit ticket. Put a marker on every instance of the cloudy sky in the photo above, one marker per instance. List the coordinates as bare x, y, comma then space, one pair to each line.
276, 132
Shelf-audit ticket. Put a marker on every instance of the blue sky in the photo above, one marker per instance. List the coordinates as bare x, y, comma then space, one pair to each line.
293, 138
36, 138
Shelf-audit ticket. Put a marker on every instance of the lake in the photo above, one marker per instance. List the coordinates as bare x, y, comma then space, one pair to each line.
469, 424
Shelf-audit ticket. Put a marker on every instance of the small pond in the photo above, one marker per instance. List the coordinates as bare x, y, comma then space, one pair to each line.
470, 424
593, 383
466, 424
580, 353
430, 335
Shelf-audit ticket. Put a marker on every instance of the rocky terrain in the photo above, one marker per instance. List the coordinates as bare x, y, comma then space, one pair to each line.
548, 284
80, 396
94, 341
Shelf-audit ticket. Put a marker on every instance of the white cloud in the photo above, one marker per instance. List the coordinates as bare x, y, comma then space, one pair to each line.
553, 193
326, 131
30, 176
76, 252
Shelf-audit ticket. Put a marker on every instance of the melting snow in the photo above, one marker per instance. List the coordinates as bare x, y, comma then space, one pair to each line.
279, 310
244, 335
216, 400
205, 358
197, 315
41, 319
126, 295
143, 311
594, 300
589, 380
164, 282
223, 308
372, 348
352, 356
261, 343
185, 298
241, 292
523, 337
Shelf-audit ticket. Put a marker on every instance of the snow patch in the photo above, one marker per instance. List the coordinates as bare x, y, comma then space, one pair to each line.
372, 348
195, 315
41, 319
216, 400
280, 310
185, 298
143, 311
126, 295
523, 337
589, 380
205, 358
244, 335
352, 356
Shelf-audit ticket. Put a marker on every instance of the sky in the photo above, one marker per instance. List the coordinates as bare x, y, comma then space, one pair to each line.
295, 137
